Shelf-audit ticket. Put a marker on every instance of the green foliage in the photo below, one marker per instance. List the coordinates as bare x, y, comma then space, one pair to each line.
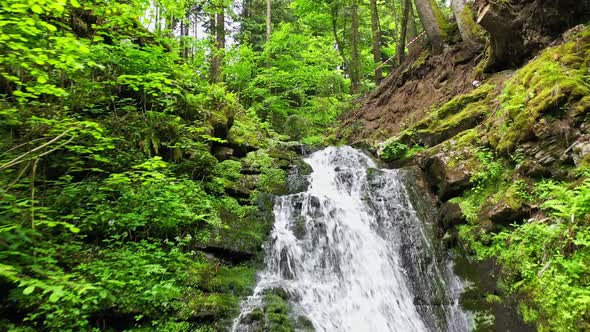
569, 204
295, 127
544, 260
395, 150
490, 172
109, 190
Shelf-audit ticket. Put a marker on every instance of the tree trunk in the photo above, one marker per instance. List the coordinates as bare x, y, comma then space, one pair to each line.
218, 27
268, 20
507, 44
158, 22
434, 23
401, 45
395, 18
467, 27
334, 13
355, 66
376, 34
185, 27
412, 32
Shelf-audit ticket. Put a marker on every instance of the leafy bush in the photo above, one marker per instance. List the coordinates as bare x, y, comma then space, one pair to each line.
394, 150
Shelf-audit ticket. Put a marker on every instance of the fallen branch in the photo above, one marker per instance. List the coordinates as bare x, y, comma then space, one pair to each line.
19, 159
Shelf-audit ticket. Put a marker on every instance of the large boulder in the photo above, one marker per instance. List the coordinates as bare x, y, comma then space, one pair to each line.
446, 178
450, 215
505, 212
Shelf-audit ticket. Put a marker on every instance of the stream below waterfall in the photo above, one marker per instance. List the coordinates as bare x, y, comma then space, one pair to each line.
352, 253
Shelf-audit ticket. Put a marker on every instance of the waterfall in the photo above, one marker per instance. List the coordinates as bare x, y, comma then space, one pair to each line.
353, 255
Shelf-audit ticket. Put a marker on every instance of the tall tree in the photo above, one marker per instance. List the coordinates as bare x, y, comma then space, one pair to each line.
376, 39
396, 17
434, 23
218, 31
412, 31
268, 20
470, 31
334, 12
355, 65
401, 44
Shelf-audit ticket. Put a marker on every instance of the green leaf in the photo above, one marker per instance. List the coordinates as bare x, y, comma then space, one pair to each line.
75, 3
37, 9
29, 290
54, 297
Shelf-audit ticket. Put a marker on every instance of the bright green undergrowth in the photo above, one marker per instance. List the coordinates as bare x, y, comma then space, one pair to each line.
546, 261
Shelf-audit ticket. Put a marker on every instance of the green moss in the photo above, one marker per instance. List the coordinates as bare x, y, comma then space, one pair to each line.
273, 180
582, 107
277, 313
515, 193
467, 17
417, 64
458, 103
469, 137
545, 86
211, 305
248, 131
238, 280
441, 20
452, 118
244, 227
471, 111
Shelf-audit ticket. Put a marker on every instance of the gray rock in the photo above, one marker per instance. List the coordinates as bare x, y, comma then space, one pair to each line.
450, 214
505, 213
223, 153
447, 181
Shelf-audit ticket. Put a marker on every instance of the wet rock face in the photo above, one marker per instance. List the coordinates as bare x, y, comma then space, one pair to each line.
450, 215
298, 177
447, 180
580, 149
557, 145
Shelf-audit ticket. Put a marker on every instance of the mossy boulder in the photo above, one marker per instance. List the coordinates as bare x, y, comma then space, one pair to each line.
504, 212
459, 114
243, 230
447, 180
274, 314
397, 153
507, 205
210, 307
246, 135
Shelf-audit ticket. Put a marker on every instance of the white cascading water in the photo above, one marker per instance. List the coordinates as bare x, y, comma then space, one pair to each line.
352, 254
